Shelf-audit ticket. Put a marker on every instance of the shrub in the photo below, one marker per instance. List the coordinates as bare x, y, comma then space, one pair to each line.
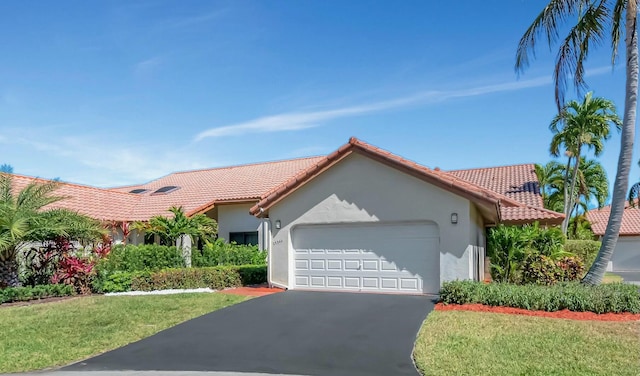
586, 250
510, 247
188, 278
542, 270
116, 282
220, 252
132, 258
615, 297
21, 294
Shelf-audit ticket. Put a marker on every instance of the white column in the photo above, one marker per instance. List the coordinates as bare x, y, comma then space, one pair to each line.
183, 243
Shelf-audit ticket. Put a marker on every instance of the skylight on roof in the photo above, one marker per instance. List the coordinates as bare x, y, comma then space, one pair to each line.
138, 191
165, 190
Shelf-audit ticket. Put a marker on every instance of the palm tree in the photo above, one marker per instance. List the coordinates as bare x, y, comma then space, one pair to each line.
24, 218
551, 179
592, 184
593, 19
172, 229
579, 126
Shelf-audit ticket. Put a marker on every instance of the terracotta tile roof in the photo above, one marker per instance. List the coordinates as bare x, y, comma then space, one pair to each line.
200, 189
630, 220
528, 214
518, 182
473, 191
510, 191
94, 202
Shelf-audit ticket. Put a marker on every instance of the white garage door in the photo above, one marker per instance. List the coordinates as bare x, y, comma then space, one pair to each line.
626, 256
398, 258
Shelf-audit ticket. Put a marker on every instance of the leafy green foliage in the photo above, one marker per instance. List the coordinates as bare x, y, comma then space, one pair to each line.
508, 247
21, 294
171, 228
615, 297
220, 252
132, 258
543, 270
23, 218
586, 250
215, 278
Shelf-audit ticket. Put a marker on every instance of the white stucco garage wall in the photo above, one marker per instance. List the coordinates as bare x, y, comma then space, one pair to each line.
626, 256
236, 218
359, 189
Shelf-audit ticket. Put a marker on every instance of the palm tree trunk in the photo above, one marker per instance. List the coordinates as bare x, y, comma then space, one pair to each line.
572, 203
9, 272
565, 207
599, 267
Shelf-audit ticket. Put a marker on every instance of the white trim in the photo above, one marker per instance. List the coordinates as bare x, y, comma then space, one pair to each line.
279, 285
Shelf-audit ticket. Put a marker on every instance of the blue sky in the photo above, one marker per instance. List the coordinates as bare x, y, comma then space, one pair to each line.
119, 92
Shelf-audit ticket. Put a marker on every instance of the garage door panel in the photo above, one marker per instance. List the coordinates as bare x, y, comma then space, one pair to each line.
626, 256
368, 257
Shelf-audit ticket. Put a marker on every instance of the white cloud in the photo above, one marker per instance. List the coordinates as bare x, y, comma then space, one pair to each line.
304, 120
112, 164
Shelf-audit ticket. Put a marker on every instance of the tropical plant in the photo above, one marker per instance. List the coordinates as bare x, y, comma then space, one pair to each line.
170, 229
578, 126
24, 217
591, 185
551, 180
594, 18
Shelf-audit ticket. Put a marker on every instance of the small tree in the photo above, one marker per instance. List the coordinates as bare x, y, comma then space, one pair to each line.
173, 229
24, 217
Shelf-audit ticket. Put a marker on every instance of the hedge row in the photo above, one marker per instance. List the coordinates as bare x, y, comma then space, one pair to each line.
587, 250
23, 294
216, 278
616, 297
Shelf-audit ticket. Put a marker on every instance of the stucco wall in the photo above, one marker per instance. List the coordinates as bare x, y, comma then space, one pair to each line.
236, 218
626, 256
358, 189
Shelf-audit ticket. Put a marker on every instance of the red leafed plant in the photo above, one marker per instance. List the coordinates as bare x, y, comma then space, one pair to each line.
76, 270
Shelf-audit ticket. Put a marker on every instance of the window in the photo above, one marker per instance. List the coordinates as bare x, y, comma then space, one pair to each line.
165, 190
244, 237
138, 191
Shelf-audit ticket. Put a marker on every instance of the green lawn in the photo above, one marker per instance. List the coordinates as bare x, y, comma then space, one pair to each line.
474, 343
611, 278
54, 334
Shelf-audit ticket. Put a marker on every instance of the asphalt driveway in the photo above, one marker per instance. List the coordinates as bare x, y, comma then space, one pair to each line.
304, 333
630, 277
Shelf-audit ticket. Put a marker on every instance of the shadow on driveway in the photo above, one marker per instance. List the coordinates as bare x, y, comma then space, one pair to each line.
305, 333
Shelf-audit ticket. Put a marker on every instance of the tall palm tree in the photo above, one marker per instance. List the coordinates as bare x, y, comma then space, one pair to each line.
593, 19
25, 218
578, 126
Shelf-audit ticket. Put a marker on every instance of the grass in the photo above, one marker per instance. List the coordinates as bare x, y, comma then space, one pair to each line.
58, 333
611, 278
478, 343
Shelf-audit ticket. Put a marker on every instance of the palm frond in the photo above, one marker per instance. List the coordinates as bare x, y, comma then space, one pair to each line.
573, 51
548, 24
